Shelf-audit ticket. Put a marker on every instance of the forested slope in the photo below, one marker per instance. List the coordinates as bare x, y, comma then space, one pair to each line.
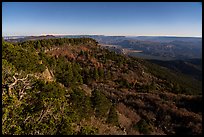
72, 86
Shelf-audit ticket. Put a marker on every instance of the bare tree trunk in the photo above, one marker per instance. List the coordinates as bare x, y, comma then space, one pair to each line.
21, 92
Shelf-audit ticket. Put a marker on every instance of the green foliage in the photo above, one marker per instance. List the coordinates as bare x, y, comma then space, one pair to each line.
68, 73
100, 103
46, 44
12, 116
183, 83
51, 108
117, 58
86, 75
47, 108
101, 73
8, 71
113, 116
145, 88
81, 103
65, 128
63, 72
21, 58
36, 108
143, 127
108, 75
77, 73
81, 53
96, 76
123, 83
87, 130
50, 89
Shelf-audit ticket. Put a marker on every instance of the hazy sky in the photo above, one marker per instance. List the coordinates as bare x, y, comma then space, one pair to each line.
102, 18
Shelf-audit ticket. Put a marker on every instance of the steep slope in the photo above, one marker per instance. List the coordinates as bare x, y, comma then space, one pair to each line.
73, 86
191, 67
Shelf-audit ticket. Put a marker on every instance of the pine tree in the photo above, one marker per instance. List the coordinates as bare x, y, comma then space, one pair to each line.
69, 74
108, 74
112, 116
96, 76
101, 73
100, 103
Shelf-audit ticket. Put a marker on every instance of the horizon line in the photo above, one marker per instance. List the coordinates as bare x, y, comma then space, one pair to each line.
99, 35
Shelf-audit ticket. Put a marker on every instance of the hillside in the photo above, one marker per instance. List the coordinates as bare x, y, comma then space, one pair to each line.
72, 86
26, 38
191, 67
172, 48
176, 50
160, 48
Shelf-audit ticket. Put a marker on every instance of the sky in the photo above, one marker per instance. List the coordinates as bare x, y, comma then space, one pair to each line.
102, 18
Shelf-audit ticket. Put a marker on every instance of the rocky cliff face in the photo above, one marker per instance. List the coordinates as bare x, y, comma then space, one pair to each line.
48, 75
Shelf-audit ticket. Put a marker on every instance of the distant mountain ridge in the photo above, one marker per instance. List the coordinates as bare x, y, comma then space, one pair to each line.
166, 38
158, 46
26, 38
104, 38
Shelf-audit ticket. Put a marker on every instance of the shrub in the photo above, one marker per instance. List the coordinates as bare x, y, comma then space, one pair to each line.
87, 130
113, 116
100, 103
142, 126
